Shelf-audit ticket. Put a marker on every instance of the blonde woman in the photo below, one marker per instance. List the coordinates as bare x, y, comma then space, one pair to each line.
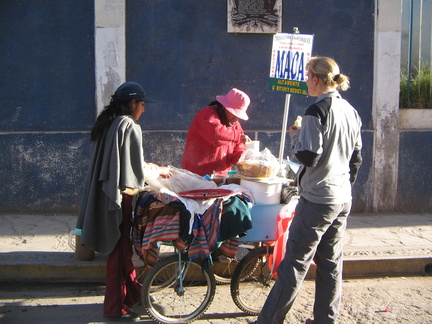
328, 145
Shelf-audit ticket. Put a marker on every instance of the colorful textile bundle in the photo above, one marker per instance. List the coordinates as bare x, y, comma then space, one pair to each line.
163, 218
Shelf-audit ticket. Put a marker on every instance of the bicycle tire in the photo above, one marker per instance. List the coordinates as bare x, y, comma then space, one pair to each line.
251, 293
162, 297
223, 268
223, 271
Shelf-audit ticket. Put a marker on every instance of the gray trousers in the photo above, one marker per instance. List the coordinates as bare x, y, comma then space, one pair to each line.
315, 234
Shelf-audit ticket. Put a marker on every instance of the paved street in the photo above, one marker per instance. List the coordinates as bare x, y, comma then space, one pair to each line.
378, 300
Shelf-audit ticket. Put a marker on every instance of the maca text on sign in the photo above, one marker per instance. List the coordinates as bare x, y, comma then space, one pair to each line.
290, 65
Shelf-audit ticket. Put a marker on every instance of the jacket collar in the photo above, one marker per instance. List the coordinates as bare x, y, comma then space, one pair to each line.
329, 94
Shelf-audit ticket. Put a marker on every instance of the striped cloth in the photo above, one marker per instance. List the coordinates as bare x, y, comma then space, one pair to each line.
154, 222
157, 220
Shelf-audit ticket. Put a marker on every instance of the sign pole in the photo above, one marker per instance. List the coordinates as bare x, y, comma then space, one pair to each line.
284, 127
290, 54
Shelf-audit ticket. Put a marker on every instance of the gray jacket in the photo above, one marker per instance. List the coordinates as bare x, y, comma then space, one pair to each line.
329, 148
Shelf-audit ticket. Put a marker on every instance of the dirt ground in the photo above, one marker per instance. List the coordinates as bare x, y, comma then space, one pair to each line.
375, 300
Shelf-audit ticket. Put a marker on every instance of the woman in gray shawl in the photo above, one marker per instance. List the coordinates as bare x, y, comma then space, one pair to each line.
117, 171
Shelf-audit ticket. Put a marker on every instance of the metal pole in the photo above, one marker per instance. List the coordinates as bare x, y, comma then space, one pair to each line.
429, 9
284, 128
409, 53
285, 117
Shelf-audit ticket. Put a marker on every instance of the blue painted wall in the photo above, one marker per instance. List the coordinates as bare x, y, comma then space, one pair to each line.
47, 56
415, 176
182, 54
42, 172
46, 102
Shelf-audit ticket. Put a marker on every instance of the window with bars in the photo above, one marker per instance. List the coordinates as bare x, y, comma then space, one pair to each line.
416, 60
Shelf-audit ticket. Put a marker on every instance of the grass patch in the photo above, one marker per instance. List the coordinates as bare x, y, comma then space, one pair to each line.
420, 88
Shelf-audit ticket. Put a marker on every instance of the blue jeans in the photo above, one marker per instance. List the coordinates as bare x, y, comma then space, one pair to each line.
315, 234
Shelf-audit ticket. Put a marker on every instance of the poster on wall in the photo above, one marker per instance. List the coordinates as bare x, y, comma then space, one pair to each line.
254, 16
289, 56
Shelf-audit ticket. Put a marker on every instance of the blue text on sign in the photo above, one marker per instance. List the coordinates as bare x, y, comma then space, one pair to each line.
290, 65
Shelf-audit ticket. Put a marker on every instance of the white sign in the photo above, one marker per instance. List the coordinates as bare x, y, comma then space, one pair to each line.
290, 54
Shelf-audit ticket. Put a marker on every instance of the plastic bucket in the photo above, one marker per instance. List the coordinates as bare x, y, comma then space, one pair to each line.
82, 252
253, 145
264, 193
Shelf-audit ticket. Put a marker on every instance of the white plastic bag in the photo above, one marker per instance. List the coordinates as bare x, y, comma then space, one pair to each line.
258, 164
181, 180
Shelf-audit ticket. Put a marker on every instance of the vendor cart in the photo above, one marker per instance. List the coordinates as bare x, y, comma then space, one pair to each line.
179, 288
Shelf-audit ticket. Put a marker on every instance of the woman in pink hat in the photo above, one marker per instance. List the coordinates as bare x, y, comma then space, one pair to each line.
215, 139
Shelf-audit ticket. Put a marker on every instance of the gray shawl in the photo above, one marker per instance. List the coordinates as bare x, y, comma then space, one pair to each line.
117, 162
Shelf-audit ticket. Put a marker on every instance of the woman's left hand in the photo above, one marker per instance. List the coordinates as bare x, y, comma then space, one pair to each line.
165, 172
245, 139
293, 129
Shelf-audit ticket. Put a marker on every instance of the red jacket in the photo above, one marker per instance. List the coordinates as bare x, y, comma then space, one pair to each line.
210, 145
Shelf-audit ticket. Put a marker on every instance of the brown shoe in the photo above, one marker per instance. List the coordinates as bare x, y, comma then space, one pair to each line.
309, 321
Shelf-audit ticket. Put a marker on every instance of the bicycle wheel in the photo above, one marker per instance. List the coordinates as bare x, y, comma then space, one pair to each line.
140, 274
165, 249
251, 293
175, 292
223, 270
223, 267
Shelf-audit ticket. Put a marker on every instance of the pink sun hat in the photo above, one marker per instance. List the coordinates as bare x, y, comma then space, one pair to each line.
236, 102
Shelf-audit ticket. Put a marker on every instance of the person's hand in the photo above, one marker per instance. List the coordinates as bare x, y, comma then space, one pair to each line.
165, 172
245, 139
293, 129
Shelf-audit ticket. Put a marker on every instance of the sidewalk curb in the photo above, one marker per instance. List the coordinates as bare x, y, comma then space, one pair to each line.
94, 271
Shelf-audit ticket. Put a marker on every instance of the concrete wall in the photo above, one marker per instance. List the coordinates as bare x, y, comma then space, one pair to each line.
402, 156
61, 62
184, 56
46, 101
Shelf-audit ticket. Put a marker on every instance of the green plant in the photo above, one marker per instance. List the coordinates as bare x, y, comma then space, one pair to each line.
420, 88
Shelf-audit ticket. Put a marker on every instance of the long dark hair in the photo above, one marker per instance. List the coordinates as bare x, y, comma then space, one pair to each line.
114, 109
221, 112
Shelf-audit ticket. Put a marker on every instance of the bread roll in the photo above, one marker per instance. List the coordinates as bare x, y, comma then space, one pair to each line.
297, 123
255, 169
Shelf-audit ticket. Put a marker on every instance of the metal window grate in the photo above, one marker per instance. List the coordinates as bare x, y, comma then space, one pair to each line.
416, 60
